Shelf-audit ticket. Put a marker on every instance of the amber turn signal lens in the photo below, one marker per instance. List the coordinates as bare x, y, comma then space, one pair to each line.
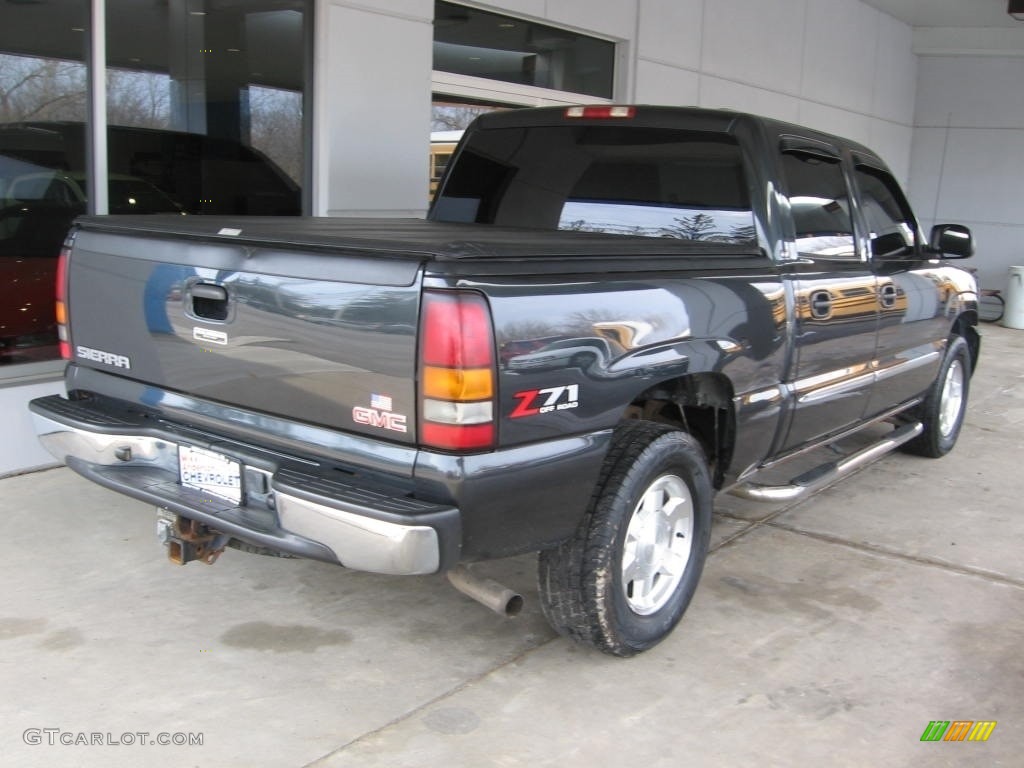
459, 384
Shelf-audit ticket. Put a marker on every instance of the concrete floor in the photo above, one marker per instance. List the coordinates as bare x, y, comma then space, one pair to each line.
828, 632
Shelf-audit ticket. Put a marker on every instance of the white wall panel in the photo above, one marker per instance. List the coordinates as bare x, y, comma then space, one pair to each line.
617, 18
661, 84
970, 124
757, 42
20, 450
717, 93
670, 32
842, 122
415, 9
997, 248
374, 116
890, 141
895, 83
926, 158
982, 180
840, 54
534, 8
968, 91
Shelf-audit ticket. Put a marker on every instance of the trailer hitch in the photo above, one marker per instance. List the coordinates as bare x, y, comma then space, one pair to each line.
187, 540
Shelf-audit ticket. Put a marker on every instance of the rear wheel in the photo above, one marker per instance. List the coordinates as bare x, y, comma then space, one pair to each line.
623, 582
942, 413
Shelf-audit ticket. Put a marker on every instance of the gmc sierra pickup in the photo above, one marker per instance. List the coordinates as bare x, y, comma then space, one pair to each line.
609, 314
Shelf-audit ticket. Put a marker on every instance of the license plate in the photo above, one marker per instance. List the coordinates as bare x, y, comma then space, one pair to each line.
210, 472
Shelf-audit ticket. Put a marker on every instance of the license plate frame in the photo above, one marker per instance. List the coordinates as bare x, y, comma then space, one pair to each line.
210, 472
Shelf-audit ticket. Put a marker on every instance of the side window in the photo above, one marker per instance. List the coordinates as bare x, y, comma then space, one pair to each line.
890, 223
820, 205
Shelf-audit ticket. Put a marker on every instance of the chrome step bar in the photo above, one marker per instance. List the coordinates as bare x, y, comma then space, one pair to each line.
826, 474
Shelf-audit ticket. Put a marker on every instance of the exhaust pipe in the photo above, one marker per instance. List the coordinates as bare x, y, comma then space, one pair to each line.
499, 598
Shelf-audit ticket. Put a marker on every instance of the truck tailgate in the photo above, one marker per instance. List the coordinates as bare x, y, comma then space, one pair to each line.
320, 335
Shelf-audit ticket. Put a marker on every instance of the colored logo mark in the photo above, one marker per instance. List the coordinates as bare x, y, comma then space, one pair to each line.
958, 730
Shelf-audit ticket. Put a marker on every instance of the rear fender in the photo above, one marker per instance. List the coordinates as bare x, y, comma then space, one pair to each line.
700, 404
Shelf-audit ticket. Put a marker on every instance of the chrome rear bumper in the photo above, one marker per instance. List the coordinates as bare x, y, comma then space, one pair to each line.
288, 509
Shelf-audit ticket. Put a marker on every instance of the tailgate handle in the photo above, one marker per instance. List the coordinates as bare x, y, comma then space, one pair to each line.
209, 292
209, 301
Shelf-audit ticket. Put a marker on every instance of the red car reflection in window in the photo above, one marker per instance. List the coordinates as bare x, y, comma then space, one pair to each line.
31, 234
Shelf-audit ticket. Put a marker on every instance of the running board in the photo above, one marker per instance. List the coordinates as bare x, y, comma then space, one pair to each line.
826, 474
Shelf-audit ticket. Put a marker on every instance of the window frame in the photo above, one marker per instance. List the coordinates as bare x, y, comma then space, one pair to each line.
832, 154
877, 168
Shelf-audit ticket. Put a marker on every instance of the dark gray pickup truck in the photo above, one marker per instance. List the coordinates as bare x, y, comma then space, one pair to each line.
610, 314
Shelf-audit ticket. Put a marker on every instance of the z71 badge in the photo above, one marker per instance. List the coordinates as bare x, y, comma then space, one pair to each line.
548, 400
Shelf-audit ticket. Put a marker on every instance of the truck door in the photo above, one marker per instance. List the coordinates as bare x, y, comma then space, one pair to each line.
835, 296
912, 291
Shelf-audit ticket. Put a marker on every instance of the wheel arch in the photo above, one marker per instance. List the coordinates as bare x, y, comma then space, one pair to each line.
700, 404
966, 326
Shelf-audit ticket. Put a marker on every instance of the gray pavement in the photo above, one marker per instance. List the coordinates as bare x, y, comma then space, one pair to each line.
828, 632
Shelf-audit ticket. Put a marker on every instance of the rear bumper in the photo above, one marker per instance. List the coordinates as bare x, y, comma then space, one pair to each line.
287, 504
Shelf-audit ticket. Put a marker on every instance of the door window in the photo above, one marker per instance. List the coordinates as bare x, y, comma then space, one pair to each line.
820, 205
891, 226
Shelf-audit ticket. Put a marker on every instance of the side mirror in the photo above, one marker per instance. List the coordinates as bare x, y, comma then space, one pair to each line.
953, 241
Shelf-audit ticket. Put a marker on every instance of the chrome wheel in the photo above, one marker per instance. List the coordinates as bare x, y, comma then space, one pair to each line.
952, 399
657, 546
624, 580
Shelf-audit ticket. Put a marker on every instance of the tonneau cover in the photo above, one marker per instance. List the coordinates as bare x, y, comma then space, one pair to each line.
402, 238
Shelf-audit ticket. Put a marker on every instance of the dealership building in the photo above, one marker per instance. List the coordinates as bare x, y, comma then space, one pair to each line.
328, 108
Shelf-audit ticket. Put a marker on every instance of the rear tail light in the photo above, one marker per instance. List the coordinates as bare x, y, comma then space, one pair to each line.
61, 306
601, 112
457, 375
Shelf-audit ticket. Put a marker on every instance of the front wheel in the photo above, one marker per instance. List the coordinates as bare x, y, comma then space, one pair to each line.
623, 582
942, 413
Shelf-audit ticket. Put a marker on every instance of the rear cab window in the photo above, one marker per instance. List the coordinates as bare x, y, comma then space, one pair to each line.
616, 180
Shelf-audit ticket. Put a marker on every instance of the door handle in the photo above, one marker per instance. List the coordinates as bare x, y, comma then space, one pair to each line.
887, 295
821, 305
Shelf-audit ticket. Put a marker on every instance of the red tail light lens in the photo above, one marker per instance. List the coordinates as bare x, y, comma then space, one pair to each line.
457, 376
61, 306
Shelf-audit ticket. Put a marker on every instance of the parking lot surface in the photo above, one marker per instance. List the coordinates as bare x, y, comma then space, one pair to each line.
832, 631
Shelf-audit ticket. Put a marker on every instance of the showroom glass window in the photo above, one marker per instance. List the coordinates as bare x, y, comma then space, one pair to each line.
468, 41
205, 106
43, 85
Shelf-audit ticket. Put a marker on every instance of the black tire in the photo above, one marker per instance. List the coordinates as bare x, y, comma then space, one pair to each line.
942, 412
585, 592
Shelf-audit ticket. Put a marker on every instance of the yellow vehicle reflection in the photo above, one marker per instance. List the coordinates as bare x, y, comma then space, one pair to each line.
442, 146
